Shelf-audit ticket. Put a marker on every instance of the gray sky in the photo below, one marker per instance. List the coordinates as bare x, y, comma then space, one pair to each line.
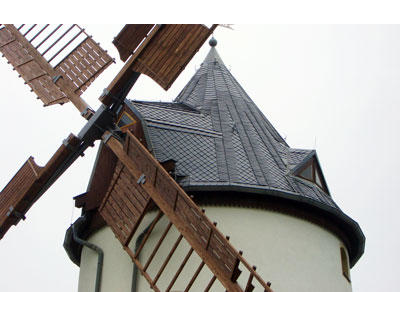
334, 88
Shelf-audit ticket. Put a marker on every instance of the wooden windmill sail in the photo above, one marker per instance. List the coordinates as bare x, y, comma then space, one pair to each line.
138, 181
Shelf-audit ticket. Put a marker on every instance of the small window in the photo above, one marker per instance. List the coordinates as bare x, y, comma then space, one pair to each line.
311, 172
307, 173
345, 264
125, 120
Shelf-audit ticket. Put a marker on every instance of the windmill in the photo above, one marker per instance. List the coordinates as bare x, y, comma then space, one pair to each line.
159, 51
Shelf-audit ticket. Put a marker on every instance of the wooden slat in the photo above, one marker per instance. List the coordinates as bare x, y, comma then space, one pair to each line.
84, 64
129, 38
150, 259
169, 52
16, 54
166, 261
178, 272
101, 178
124, 205
30, 70
188, 36
157, 52
5, 37
194, 277
47, 91
21, 182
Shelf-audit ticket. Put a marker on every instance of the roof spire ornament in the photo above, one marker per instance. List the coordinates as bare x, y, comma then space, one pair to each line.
213, 42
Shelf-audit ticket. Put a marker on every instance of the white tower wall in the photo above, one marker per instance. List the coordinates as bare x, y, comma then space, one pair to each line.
292, 253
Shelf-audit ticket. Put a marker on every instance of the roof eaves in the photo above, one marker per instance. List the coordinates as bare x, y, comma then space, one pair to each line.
357, 239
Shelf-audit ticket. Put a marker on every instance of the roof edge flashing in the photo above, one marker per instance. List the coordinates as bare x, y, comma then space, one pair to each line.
350, 228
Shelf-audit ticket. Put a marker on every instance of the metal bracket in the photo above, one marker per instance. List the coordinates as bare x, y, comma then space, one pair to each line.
14, 213
107, 138
87, 113
55, 78
142, 179
105, 93
101, 121
68, 145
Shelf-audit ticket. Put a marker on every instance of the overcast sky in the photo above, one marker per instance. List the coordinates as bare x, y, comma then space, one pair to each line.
333, 88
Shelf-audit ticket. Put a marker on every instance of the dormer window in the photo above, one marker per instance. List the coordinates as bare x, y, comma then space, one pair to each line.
308, 173
125, 120
312, 172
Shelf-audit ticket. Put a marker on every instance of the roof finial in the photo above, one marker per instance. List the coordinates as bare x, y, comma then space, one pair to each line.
213, 42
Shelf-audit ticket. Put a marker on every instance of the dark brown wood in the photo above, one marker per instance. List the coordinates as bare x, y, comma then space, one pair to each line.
5, 37
236, 272
124, 203
129, 38
249, 285
100, 179
170, 50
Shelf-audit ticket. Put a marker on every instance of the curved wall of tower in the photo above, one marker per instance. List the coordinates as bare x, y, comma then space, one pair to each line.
292, 253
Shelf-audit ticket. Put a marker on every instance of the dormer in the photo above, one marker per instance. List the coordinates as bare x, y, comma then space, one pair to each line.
310, 170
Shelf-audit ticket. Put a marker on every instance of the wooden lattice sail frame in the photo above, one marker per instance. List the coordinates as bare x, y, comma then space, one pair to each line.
31, 58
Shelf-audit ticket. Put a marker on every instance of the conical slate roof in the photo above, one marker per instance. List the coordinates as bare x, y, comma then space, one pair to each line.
220, 140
